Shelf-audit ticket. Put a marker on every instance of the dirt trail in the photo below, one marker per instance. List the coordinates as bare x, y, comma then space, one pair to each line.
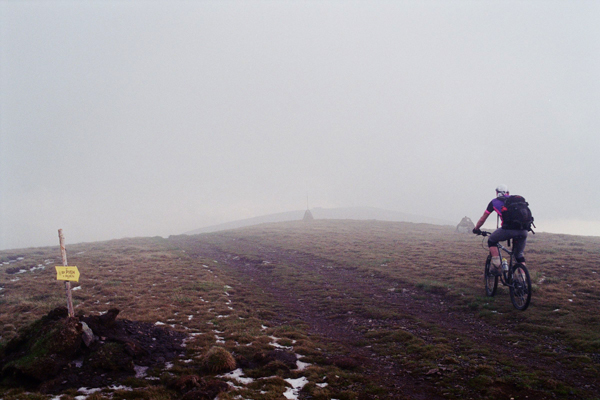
420, 311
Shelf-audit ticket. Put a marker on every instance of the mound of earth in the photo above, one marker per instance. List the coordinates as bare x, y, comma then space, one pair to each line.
58, 352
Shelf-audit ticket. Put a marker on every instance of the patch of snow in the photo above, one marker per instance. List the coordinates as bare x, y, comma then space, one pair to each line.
277, 345
140, 372
190, 317
86, 391
238, 376
301, 366
322, 385
120, 387
159, 323
297, 385
168, 365
234, 387
77, 288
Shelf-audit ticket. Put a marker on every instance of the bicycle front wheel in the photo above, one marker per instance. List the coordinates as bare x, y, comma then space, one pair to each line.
490, 280
520, 287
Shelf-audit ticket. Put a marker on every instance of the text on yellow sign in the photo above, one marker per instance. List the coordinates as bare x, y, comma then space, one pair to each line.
67, 274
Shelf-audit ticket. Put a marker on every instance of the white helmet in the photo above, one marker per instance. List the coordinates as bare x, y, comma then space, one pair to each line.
501, 190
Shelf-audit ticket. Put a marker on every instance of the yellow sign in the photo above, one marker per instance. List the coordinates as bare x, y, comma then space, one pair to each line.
67, 274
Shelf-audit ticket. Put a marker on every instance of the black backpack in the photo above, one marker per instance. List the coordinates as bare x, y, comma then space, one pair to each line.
516, 214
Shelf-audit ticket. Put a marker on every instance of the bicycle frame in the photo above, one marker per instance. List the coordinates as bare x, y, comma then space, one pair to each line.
506, 277
516, 278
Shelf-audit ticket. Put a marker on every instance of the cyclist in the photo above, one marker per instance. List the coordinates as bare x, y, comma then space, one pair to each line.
519, 236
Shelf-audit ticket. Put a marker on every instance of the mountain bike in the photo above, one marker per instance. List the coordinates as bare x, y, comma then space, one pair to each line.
514, 275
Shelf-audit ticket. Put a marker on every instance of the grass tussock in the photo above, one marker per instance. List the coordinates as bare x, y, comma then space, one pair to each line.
218, 360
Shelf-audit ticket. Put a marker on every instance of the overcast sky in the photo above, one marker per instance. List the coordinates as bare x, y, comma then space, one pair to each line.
145, 118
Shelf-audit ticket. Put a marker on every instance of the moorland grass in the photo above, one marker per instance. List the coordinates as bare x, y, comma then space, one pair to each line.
164, 281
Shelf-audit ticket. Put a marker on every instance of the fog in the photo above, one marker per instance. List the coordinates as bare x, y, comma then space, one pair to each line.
145, 118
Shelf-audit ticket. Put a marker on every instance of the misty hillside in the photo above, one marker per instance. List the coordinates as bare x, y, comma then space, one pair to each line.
355, 213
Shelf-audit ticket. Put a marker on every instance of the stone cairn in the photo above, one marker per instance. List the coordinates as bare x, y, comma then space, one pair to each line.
465, 225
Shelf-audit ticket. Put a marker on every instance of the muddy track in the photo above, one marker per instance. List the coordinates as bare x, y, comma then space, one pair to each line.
419, 313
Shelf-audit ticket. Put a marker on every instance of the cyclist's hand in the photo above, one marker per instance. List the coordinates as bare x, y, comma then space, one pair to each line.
477, 231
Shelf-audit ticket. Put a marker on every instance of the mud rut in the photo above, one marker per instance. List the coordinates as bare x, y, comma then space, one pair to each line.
412, 303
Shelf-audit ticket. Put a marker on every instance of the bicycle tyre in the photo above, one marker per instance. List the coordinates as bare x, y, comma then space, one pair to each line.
490, 280
520, 287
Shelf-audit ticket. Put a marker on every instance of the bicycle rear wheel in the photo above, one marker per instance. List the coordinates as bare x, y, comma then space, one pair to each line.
490, 280
520, 287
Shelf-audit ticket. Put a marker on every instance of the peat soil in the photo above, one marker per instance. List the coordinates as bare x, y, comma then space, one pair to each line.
121, 349
416, 311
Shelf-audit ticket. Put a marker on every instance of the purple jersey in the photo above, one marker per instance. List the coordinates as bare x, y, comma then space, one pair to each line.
496, 205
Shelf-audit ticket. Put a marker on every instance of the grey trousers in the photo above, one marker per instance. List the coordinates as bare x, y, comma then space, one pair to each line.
519, 237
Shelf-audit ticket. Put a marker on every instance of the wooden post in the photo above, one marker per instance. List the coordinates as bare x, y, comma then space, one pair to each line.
63, 252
